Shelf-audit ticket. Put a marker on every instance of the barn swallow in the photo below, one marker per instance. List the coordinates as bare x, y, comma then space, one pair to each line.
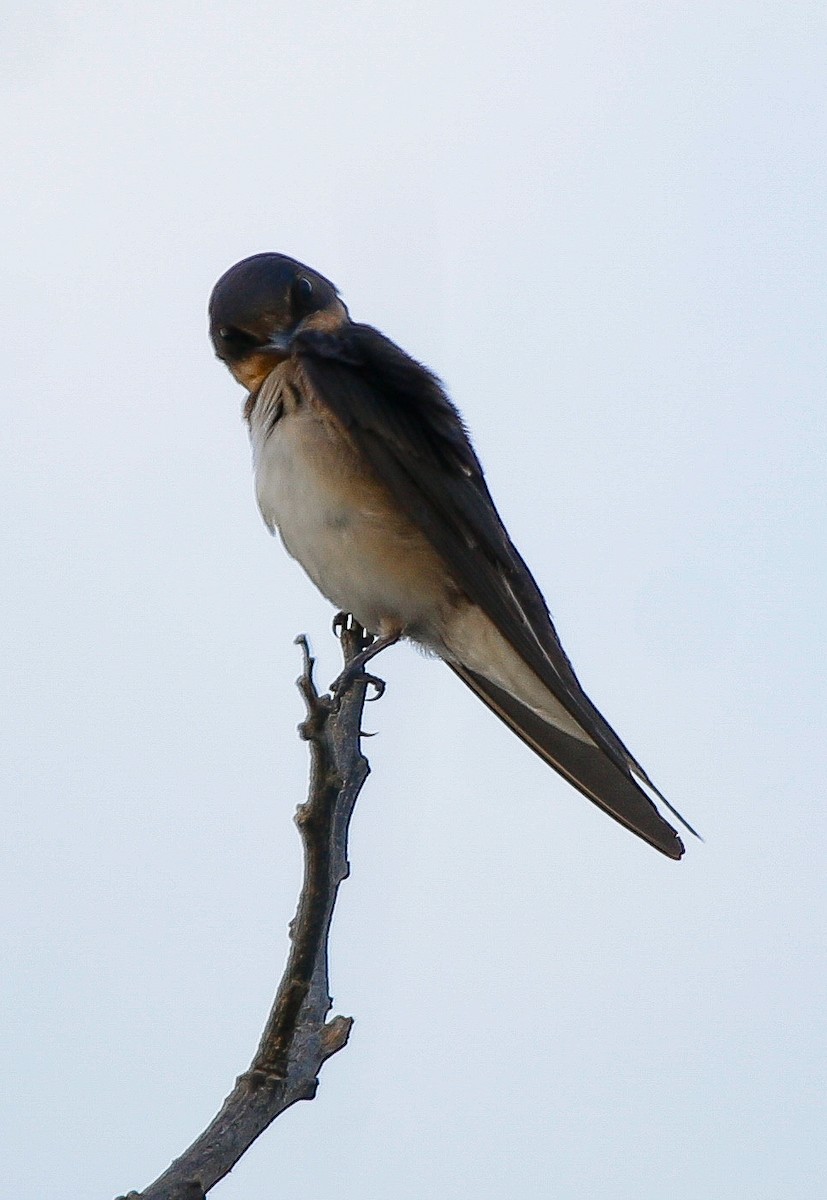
364, 467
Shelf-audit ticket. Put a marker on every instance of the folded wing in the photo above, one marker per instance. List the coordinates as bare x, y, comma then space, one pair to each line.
403, 423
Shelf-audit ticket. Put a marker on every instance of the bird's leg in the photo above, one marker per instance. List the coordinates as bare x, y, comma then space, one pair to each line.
354, 668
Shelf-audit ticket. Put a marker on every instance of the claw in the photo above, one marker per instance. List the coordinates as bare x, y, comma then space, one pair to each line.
340, 623
379, 685
353, 673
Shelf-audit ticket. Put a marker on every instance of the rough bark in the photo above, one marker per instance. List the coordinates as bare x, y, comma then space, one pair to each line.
297, 1037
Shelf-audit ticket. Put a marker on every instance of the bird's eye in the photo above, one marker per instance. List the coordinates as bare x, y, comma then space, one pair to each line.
303, 296
223, 332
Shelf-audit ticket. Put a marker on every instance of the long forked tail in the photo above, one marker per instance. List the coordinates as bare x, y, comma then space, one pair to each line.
582, 763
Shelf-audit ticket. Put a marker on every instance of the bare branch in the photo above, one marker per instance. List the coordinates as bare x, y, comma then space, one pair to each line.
297, 1039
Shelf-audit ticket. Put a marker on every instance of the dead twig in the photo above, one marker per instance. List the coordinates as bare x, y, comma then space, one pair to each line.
297, 1038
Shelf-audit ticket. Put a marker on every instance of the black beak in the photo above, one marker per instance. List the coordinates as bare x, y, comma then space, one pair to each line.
280, 344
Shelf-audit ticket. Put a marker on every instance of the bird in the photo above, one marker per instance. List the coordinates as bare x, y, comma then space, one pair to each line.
365, 469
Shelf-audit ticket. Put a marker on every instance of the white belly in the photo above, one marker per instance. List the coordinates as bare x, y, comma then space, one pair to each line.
336, 523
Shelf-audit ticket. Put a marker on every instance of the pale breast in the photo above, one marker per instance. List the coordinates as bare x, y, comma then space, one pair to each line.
337, 520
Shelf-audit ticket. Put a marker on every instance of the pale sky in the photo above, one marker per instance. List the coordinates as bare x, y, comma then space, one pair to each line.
603, 226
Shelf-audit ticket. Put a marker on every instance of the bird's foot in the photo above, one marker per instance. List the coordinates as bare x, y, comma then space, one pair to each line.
350, 633
354, 673
354, 670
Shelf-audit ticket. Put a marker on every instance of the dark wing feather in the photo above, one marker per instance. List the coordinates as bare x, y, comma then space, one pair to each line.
581, 763
400, 418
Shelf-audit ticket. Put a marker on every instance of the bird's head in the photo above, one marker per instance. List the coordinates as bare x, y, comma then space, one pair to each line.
259, 305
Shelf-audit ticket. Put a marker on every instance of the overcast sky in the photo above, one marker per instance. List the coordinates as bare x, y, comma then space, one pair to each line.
603, 225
